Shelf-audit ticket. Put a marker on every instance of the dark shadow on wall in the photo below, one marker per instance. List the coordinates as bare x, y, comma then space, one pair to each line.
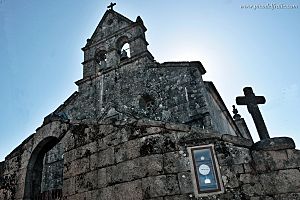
35, 167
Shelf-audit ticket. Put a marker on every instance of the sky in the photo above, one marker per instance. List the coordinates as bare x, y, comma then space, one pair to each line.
257, 46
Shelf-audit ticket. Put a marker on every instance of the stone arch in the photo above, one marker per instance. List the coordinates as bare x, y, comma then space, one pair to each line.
35, 166
123, 47
121, 41
46, 137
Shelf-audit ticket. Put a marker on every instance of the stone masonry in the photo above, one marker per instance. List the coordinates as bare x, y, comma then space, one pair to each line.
124, 134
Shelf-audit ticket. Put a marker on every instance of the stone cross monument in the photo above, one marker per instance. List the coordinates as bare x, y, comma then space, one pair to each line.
252, 102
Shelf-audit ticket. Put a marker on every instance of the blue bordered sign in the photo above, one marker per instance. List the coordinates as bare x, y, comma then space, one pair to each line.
205, 170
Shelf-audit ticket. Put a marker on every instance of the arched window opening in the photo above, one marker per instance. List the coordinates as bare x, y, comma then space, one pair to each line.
101, 59
125, 52
44, 174
123, 48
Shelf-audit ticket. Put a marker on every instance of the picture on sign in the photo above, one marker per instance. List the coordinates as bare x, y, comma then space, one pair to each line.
205, 170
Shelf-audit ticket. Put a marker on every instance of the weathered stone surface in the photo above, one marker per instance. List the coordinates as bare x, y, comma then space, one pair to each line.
248, 178
277, 143
291, 196
85, 151
149, 123
229, 154
69, 187
102, 158
249, 167
128, 150
152, 165
128, 191
86, 182
153, 130
193, 138
116, 138
156, 186
106, 193
239, 155
270, 160
177, 127
106, 129
157, 144
282, 181
178, 197
229, 177
252, 189
293, 158
185, 182
102, 178
237, 140
127, 171
137, 168
77, 167
70, 144
158, 198
175, 162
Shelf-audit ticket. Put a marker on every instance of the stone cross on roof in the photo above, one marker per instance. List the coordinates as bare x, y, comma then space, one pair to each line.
251, 101
111, 5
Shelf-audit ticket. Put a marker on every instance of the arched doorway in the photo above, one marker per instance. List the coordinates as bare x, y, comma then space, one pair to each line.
36, 169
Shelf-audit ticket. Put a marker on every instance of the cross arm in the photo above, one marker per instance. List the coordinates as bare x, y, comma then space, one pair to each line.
241, 101
246, 101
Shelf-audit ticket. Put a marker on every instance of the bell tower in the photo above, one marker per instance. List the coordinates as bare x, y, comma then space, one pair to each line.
116, 41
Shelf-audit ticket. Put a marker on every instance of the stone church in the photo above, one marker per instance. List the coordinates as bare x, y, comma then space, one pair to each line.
138, 129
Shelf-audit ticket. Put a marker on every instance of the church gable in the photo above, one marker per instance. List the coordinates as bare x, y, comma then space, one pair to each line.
115, 40
110, 23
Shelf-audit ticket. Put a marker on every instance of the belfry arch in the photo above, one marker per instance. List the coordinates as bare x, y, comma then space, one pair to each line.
34, 173
123, 47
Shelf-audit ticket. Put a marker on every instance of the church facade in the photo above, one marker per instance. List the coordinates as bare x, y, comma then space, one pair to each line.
138, 129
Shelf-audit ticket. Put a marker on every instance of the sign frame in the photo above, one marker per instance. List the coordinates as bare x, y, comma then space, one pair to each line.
216, 170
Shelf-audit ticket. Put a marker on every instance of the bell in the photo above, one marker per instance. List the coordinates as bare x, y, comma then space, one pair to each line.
123, 55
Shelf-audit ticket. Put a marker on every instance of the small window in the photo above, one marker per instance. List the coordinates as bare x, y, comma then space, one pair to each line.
205, 171
147, 103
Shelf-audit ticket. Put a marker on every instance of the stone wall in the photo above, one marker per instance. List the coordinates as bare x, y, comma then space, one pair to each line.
277, 175
143, 159
175, 91
149, 160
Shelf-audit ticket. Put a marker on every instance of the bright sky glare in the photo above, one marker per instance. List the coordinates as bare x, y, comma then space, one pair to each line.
40, 54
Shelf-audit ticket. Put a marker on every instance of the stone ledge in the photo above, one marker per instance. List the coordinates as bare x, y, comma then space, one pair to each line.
177, 127
196, 64
149, 123
243, 142
273, 144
